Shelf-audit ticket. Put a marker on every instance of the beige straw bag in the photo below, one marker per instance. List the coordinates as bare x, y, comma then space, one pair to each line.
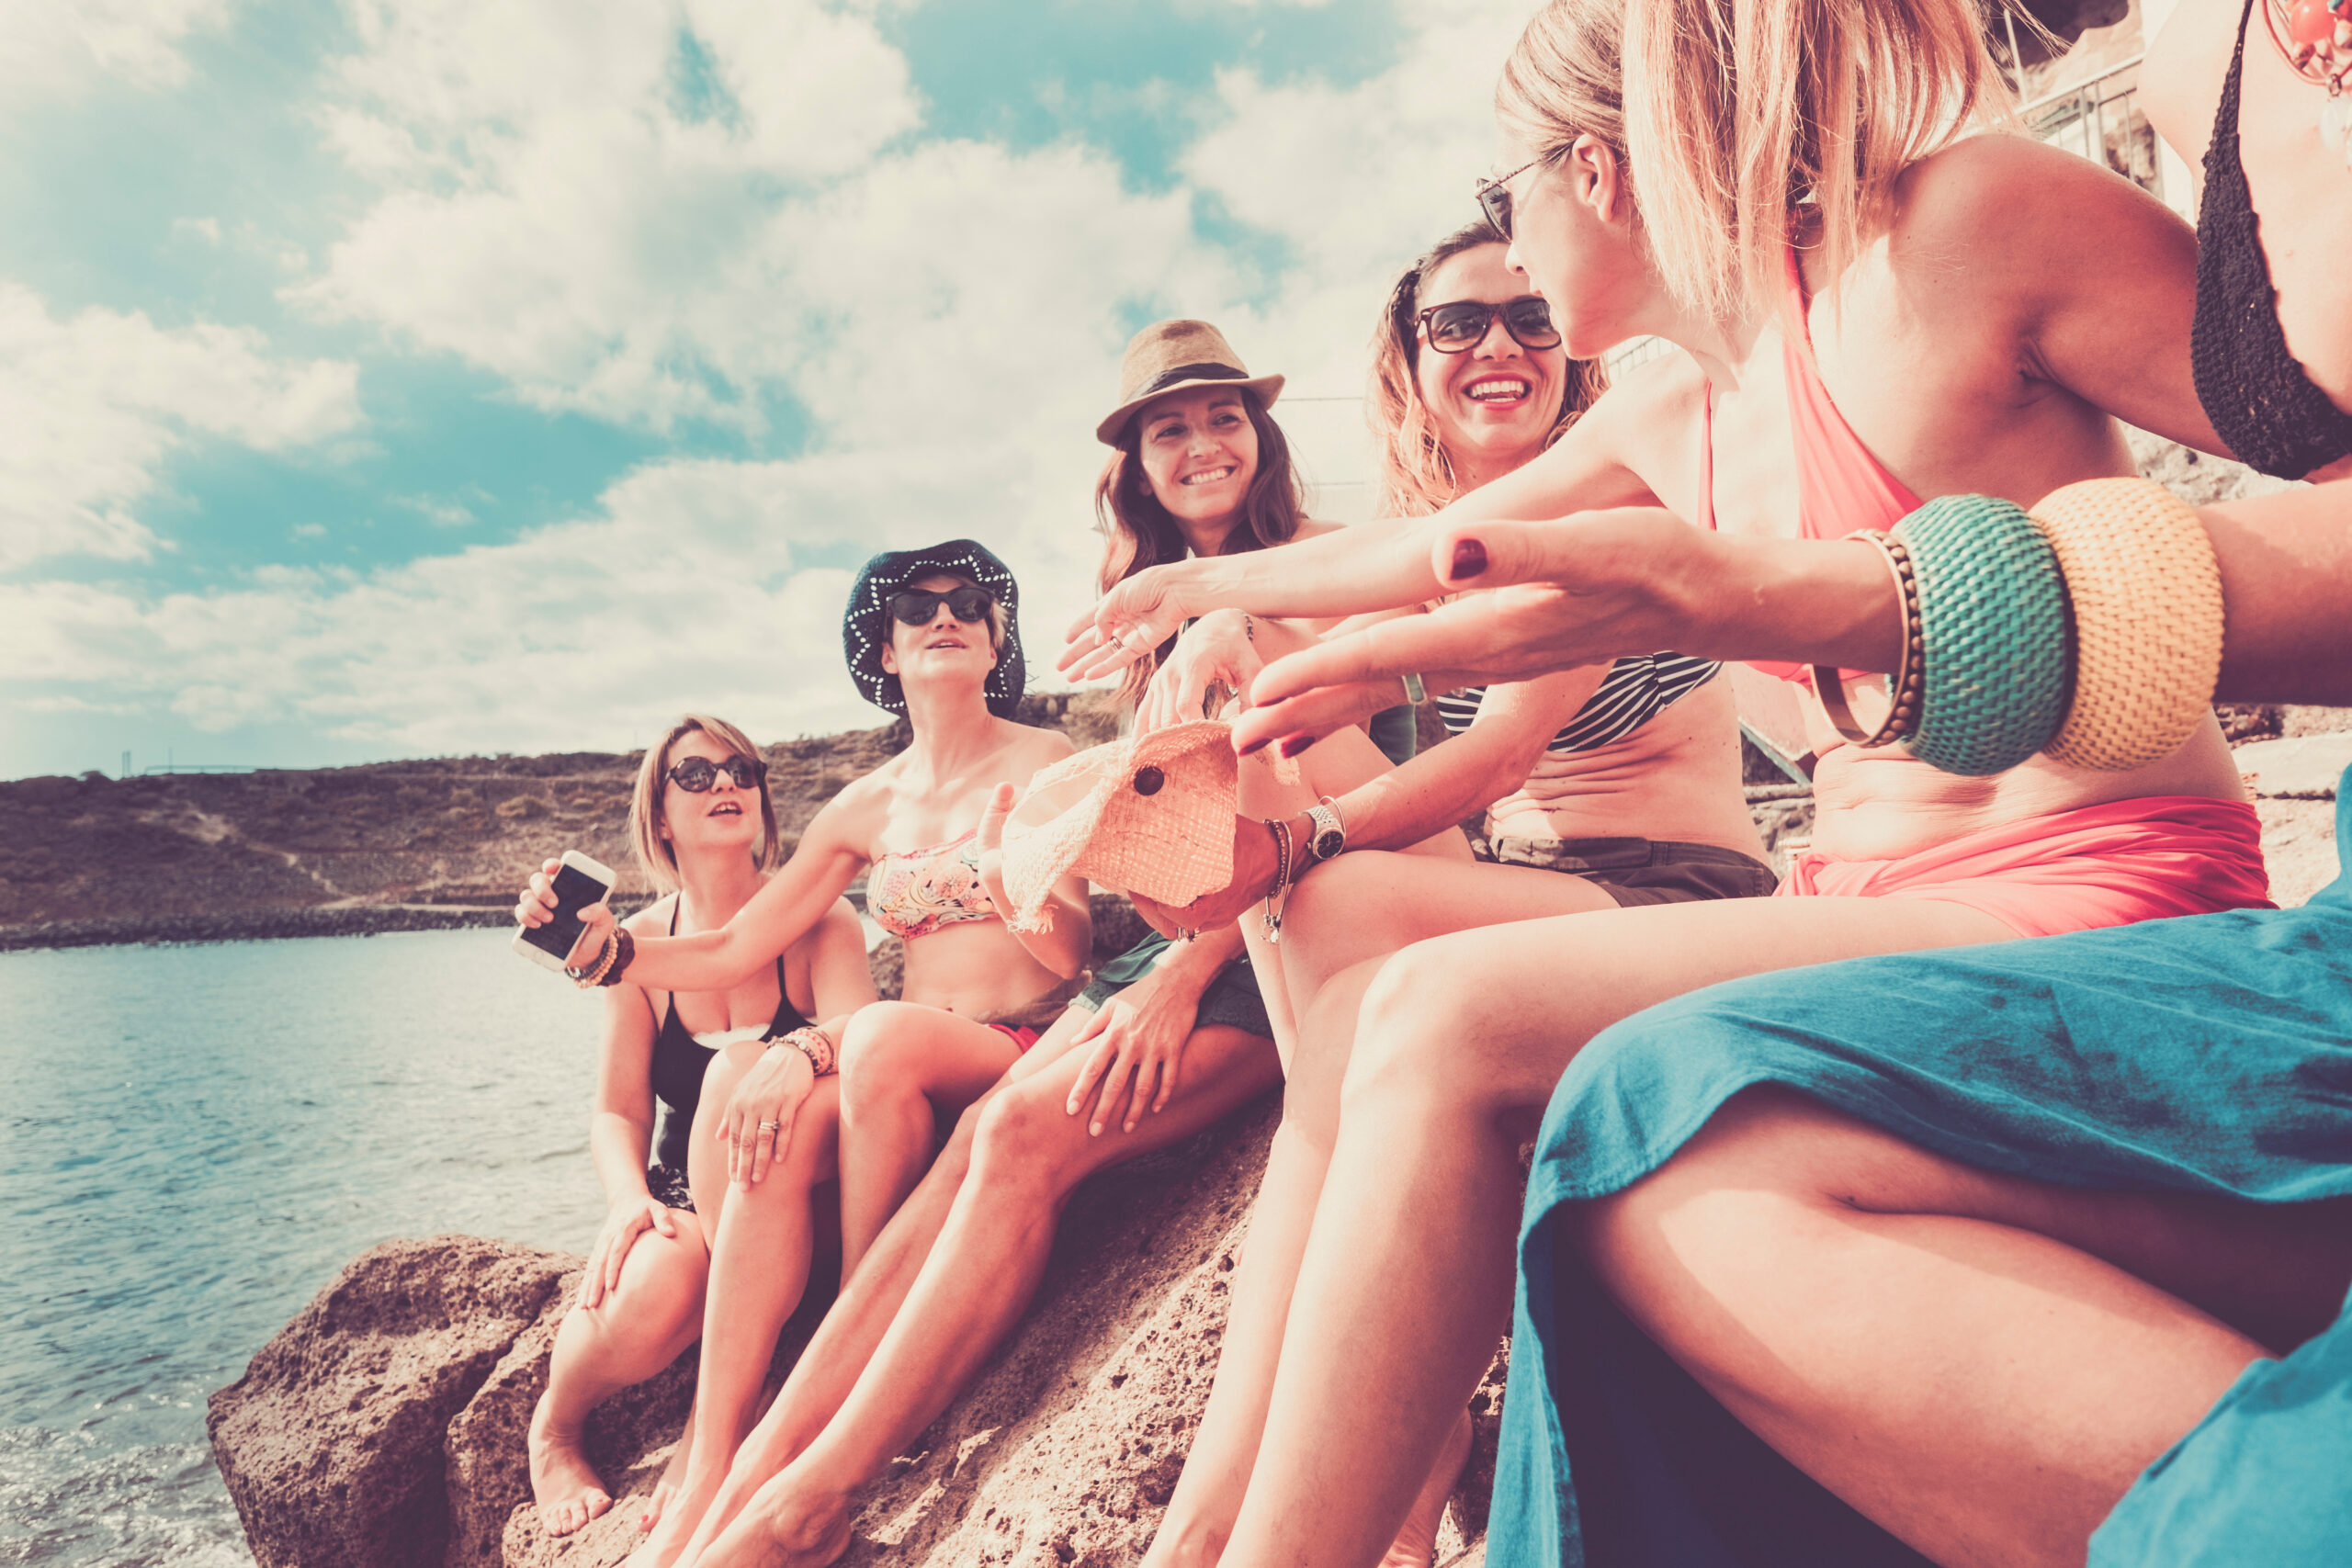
1151, 814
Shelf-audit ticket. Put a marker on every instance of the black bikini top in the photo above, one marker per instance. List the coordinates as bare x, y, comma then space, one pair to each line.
2253, 390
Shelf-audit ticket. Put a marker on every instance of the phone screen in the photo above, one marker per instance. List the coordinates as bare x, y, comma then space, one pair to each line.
574, 891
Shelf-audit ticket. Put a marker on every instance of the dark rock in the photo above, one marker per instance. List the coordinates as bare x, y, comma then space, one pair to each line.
332, 1442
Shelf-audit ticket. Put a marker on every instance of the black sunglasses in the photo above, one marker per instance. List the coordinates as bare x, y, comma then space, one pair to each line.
696, 774
1494, 197
1461, 325
916, 606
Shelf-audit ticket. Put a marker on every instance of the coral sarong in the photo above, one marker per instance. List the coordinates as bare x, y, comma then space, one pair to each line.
2072, 871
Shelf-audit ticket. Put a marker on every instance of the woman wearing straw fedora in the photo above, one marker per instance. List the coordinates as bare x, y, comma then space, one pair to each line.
1170, 1038
1614, 785
930, 634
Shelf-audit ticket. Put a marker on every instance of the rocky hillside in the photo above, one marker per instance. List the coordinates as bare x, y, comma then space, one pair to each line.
384, 846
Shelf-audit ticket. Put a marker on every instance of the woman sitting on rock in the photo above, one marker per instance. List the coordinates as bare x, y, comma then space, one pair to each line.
1614, 785
1885, 317
930, 634
702, 829
1172, 1036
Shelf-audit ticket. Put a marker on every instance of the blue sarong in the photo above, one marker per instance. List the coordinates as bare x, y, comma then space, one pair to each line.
2211, 1053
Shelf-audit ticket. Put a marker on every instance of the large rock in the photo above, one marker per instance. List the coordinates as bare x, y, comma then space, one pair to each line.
384, 1428
332, 1443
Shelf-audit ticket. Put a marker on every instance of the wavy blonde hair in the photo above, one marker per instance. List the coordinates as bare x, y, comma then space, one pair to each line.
1417, 474
1729, 115
655, 858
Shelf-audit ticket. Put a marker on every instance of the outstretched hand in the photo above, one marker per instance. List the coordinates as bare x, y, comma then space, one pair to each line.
1214, 660
1536, 597
1126, 624
537, 905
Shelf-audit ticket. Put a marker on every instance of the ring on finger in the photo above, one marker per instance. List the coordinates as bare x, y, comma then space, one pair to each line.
768, 1126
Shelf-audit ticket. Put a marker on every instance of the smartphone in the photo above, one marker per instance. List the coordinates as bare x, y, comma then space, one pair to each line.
578, 882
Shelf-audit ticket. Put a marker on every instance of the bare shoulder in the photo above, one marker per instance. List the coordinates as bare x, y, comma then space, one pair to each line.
1668, 388
654, 918
1997, 210
851, 819
1035, 747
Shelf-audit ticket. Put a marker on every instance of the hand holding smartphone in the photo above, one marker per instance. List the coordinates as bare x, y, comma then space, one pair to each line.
577, 882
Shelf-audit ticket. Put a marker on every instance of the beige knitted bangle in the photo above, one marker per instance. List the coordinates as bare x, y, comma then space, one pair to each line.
2147, 604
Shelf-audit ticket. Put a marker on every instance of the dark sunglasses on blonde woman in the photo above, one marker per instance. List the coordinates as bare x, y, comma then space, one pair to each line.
1458, 327
696, 774
916, 606
1494, 197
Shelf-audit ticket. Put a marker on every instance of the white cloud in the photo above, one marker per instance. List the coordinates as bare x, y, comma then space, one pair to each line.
561, 193
94, 403
573, 194
55, 48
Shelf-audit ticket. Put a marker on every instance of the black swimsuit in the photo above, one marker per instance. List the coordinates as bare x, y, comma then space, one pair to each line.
2253, 390
679, 1064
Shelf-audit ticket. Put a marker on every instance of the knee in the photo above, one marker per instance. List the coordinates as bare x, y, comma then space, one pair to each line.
728, 1067
1416, 1035
1025, 1136
881, 1047
1767, 1158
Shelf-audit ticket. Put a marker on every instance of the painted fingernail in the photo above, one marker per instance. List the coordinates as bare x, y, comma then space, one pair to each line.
1251, 750
1469, 558
1296, 744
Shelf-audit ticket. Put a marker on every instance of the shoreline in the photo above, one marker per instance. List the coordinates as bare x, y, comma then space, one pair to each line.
246, 925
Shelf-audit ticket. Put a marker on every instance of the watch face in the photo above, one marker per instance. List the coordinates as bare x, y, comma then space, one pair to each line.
1328, 843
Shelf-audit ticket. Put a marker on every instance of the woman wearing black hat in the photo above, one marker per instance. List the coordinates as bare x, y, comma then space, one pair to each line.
930, 634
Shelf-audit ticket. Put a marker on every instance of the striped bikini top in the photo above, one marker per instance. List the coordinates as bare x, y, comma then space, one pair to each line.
1635, 692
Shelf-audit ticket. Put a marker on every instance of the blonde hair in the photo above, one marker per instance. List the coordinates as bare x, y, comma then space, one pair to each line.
1417, 474
655, 857
1728, 115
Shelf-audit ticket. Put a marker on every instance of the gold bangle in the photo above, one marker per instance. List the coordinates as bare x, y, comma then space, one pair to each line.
1903, 687
2146, 593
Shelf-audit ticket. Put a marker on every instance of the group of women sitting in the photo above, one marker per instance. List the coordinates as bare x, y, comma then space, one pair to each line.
1983, 1198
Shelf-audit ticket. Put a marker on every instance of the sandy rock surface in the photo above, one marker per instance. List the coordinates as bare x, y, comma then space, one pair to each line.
384, 1428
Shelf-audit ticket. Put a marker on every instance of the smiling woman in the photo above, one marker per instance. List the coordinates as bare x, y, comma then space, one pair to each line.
931, 634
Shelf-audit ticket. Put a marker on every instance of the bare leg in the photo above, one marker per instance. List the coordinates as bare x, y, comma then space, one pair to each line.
1362, 905
905, 1070
759, 1266
1406, 1277
637, 1330
1982, 1364
1028, 1154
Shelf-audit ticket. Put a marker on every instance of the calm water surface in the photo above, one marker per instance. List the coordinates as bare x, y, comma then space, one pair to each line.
193, 1140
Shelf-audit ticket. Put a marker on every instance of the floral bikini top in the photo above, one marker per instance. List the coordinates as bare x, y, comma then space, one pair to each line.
915, 893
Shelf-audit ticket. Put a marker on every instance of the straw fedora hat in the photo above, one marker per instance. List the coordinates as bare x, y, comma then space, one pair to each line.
1167, 356
1151, 814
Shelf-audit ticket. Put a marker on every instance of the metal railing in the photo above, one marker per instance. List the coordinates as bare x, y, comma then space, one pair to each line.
2100, 119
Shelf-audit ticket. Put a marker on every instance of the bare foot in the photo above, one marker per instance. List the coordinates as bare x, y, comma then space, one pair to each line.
676, 1511
673, 1476
785, 1525
1416, 1545
564, 1485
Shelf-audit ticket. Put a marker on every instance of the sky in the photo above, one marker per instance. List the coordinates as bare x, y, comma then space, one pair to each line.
446, 376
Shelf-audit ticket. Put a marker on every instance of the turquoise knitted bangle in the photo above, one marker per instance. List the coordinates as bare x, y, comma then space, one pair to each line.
1993, 613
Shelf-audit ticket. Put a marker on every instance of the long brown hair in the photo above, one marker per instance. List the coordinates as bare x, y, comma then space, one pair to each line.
655, 857
1729, 115
1138, 531
1417, 474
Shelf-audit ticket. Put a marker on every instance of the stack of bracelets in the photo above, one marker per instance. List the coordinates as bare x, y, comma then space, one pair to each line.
2089, 629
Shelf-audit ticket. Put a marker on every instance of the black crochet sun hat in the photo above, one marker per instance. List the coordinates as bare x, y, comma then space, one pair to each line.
865, 628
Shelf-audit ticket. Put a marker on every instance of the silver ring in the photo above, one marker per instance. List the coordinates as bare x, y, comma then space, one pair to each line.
768, 1126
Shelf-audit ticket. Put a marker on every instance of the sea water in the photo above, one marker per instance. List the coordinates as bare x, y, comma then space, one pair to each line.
194, 1140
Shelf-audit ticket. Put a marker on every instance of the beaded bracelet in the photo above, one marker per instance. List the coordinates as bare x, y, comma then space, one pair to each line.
815, 1044
1994, 631
2147, 598
589, 976
1902, 686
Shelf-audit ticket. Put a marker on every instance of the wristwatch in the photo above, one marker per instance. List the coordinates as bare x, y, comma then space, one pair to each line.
1329, 838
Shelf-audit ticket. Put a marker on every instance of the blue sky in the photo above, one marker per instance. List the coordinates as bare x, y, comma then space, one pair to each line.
456, 376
